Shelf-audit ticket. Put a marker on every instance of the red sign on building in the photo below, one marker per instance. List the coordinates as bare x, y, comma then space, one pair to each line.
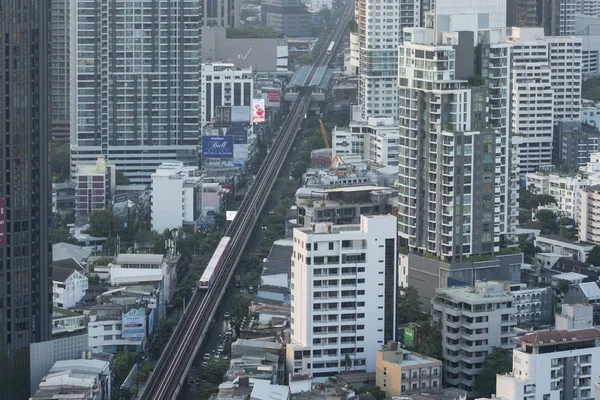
2, 221
273, 96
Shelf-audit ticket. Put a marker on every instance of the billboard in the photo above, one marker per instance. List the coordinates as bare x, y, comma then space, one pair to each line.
134, 324
2, 221
217, 147
223, 116
239, 133
274, 97
240, 114
258, 111
409, 336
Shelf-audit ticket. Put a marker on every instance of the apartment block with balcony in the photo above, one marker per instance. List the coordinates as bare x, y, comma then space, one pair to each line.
589, 215
566, 190
400, 372
553, 365
473, 321
343, 295
95, 185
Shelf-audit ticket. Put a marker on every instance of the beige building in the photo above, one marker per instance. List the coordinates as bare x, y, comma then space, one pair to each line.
589, 215
400, 371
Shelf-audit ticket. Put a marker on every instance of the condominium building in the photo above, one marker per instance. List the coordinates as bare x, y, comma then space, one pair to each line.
60, 77
95, 185
553, 365
546, 87
288, 17
522, 13
473, 321
589, 215
222, 84
566, 190
25, 198
574, 143
221, 13
176, 195
134, 84
373, 138
401, 372
343, 287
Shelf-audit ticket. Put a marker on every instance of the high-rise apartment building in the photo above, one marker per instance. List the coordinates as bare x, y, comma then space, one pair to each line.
379, 32
522, 13
546, 87
60, 67
221, 13
135, 84
343, 286
25, 283
288, 17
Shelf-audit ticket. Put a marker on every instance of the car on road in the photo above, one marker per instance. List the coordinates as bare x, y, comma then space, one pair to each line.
229, 332
264, 228
220, 349
250, 289
226, 315
206, 357
271, 212
204, 364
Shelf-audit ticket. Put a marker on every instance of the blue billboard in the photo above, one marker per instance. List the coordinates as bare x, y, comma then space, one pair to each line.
133, 324
217, 147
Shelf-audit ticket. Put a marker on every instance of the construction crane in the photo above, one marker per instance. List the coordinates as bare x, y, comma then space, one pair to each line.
247, 54
333, 162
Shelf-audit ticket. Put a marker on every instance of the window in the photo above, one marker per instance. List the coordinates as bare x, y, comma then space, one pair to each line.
384, 371
385, 383
308, 246
108, 337
316, 246
330, 245
108, 327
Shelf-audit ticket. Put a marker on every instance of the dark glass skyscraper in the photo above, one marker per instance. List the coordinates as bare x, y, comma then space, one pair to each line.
25, 295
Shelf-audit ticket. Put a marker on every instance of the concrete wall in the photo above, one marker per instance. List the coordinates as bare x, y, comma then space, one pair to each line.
217, 47
43, 355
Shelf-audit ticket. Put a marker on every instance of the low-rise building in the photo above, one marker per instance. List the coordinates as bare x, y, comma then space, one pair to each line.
473, 321
548, 364
66, 322
111, 328
63, 196
566, 190
574, 317
400, 371
69, 283
176, 196
564, 247
533, 305
95, 185
82, 379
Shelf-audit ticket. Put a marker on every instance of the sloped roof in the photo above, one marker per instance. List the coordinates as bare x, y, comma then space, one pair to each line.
60, 274
559, 336
61, 251
68, 263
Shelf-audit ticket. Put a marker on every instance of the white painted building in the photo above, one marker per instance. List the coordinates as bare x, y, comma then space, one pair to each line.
343, 286
566, 189
546, 87
373, 138
564, 247
68, 286
553, 365
134, 90
222, 84
590, 112
473, 321
589, 215
176, 194
105, 331
81, 379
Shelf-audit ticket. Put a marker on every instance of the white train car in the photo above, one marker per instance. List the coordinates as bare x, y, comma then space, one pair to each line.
213, 264
330, 48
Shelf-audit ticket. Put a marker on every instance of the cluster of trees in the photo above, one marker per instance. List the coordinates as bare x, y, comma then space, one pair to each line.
428, 338
60, 232
499, 361
210, 378
590, 89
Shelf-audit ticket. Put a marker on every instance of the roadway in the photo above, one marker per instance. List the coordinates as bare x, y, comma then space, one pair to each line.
178, 355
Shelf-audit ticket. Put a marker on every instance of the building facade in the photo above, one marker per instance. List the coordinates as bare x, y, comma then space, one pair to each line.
176, 196
374, 138
473, 321
546, 87
401, 372
60, 16
134, 92
95, 185
566, 189
221, 13
68, 287
343, 285
589, 215
574, 143
288, 17
25, 254
553, 365
222, 84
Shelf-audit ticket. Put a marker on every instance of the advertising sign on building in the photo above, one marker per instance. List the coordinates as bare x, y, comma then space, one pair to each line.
2, 221
258, 111
240, 115
239, 133
134, 324
217, 147
230, 215
274, 96
409, 336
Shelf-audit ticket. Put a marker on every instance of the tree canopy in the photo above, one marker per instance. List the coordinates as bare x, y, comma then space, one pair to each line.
60, 161
594, 256
409, 305
499, 361
428, 340
104, 224
548, 220
530, 200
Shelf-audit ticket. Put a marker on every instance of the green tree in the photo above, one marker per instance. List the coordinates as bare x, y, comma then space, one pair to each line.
563, 286
104, 224
548, 221
375, 391
68, 218
60, 161
61, 235
428, 340
499, 361
123, 363
530, 200
121, 178
409, 305
594, 256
